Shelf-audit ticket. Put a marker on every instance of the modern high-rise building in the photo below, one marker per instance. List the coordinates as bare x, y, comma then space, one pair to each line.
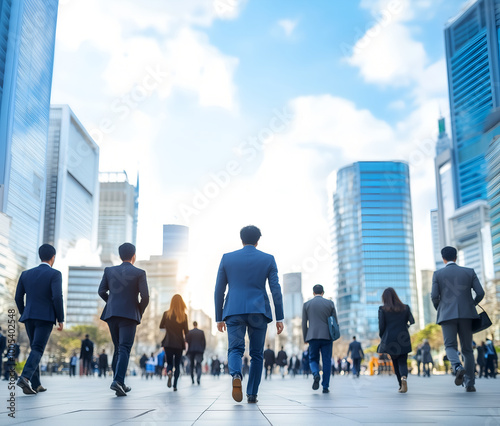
72, 194
428, 310
293, 302
175, 241
437, 245
472, 57
117, 214
372, 243
27, 37
292, 294
83, 304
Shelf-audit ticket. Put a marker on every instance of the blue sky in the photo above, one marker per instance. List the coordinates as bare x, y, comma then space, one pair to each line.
178, 90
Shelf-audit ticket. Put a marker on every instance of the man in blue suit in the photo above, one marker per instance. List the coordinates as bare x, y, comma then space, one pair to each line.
244, 272
42, 287
120, 288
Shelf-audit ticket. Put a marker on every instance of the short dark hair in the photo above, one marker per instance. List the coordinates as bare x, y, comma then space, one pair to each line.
46, 252
250, 234
126, 251
353, 337
318, 289
195, 324
449, 253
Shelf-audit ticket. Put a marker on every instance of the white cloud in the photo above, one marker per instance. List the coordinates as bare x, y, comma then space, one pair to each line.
288, 26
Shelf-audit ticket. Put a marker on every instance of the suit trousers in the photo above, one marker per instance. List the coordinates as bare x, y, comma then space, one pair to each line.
237, 326
195, 359
325, 347
462, 327
122, 332
38, 332
356, 366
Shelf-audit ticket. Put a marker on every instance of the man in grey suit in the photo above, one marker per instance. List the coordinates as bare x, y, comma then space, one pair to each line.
315, 330
456, 308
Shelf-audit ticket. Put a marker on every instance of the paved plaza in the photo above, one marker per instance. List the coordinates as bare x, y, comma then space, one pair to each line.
367, 400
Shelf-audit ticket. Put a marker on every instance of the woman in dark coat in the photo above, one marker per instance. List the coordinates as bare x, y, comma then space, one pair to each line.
394, 318
175, 324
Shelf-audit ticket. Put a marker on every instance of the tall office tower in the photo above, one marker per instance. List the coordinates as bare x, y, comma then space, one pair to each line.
445, 187
175, 241
72, 194
83, 304
292, 304
472, 56
117, 214
372, 243
437, 245
493, 179
27, 36
10, 270
428, 310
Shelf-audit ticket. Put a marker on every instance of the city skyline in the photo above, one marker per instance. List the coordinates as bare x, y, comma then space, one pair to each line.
226, 132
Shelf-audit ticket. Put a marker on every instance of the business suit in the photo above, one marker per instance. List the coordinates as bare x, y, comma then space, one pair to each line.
196, 346
357, 355
174, 343
244, 273
120, 288
316, 332
395, 338
43, 307
87, 354
452, 297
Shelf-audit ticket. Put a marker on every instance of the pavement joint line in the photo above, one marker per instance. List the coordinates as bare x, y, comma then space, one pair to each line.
208, 408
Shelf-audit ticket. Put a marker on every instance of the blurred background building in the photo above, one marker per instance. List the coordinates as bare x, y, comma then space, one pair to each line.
118, 209
72, 186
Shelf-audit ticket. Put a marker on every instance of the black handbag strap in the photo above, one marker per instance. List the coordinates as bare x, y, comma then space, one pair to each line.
481, 307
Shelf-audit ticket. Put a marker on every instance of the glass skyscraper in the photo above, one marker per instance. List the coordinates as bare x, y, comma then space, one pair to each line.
472, 56
372, 242
72, 195
27, 37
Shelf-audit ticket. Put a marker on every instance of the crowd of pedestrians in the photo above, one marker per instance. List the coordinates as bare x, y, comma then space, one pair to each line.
242, 306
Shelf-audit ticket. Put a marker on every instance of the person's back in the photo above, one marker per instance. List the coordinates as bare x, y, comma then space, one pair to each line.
315, 313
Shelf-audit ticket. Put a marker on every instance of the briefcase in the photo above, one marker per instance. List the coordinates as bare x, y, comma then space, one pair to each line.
333, 327
481, 323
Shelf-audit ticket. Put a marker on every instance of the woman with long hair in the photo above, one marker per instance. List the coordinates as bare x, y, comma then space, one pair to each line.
175, 324
394, 319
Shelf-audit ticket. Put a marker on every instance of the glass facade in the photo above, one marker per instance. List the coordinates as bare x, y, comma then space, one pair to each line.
72, 182
27, 36
117, 214
472, 52
175, 241
372, 236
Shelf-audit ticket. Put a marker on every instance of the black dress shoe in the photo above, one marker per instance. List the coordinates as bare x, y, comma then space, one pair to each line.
126, 388
459, 375
252, 399
316, 382
25, 385
118, 388
326, 390
470, 388
40, 389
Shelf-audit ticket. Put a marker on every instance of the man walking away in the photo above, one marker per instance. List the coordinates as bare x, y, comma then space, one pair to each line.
103, 364
86, 355
282, 361
120, 288
42, 287
196, 346
357, 355
269, 361
316, 332
452, 297
246, 307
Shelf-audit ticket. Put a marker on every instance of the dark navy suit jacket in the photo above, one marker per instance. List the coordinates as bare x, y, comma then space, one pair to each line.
44, 298
245, 273
120, 288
